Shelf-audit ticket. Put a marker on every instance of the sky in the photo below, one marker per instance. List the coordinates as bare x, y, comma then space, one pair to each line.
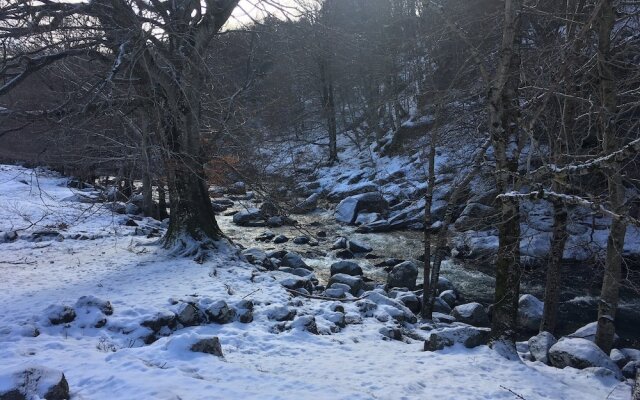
250, 10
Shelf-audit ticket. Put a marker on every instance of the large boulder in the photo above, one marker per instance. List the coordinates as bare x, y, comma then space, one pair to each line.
348, 209
468, 336
472, 314
58, 314
403, 275
580, 353
539, 346
378, 301
34, 383
346, 267
530, 312
357, 247
589, 332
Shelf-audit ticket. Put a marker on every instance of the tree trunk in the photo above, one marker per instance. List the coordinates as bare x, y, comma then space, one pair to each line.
329, 110
503, 112
609, 295
162, 201
554, 276
428, 221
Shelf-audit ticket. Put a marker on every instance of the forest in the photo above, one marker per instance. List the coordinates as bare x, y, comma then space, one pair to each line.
275, 199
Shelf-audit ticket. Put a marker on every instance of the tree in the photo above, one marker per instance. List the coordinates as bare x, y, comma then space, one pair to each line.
155, 50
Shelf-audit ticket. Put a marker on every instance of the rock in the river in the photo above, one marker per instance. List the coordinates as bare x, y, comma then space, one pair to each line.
294, 260
58, 314
250, 217
580, 353
280, 239
301, 239
403, 275
539, 346
367, 218
472, 314
209, 346
469, 336
298, 283
348, 209
308, 205
354, 282
346, 267
530, 312
340, 243
357, 247
34, 382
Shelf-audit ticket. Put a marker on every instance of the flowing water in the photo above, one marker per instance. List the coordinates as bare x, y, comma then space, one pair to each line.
473, 280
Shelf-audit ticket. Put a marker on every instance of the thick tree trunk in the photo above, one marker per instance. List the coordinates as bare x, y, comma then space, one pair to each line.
554, 276
162, 201
609, 295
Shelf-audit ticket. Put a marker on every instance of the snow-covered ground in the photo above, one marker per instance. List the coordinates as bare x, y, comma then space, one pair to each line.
96, 255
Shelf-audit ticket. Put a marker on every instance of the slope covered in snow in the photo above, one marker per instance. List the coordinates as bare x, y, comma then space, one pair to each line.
67, 249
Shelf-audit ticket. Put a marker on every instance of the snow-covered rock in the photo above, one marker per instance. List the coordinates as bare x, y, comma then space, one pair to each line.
294, 260
468, 336
589, 332
580, 353
403, 275
445, 284
308, 205
250, 217
58, 314
449, 297
348, 209
188, 314
220, 312
35, 382
354, 282
530, 311
472, 314
209, 345
539, 346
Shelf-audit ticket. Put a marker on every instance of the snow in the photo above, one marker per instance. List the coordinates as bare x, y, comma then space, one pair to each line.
260, 362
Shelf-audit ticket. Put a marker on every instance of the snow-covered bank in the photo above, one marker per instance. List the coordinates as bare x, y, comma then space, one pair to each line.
261, 360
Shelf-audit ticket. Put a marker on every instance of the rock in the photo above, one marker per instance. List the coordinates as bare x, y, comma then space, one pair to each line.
340, 243
35, 382
344, 254
132, 209
58, 314
268, 209
306, 323
354, 283
280, 239
444, 284
244, 311
367, 218
281, 313
392, 333
472, 314
468, 336
348, 209
529, 312
275, 221
630, 369
618, 357
159, 320
393, 307
633, 354
475, 216
441, 306
294, 260
95, 302
411, 301
539, 346
208, 346
589, 332
357, 247
403, 275
7, 237
301, 240
296, 271
444, 318
335, 293
188, 315
237, 188
449, 297
250, 217
297, 283
265, 236
220, 312
308, 205
346, 267
256, 256
580, 353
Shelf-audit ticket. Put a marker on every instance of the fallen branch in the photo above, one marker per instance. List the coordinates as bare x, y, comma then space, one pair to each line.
310, 296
